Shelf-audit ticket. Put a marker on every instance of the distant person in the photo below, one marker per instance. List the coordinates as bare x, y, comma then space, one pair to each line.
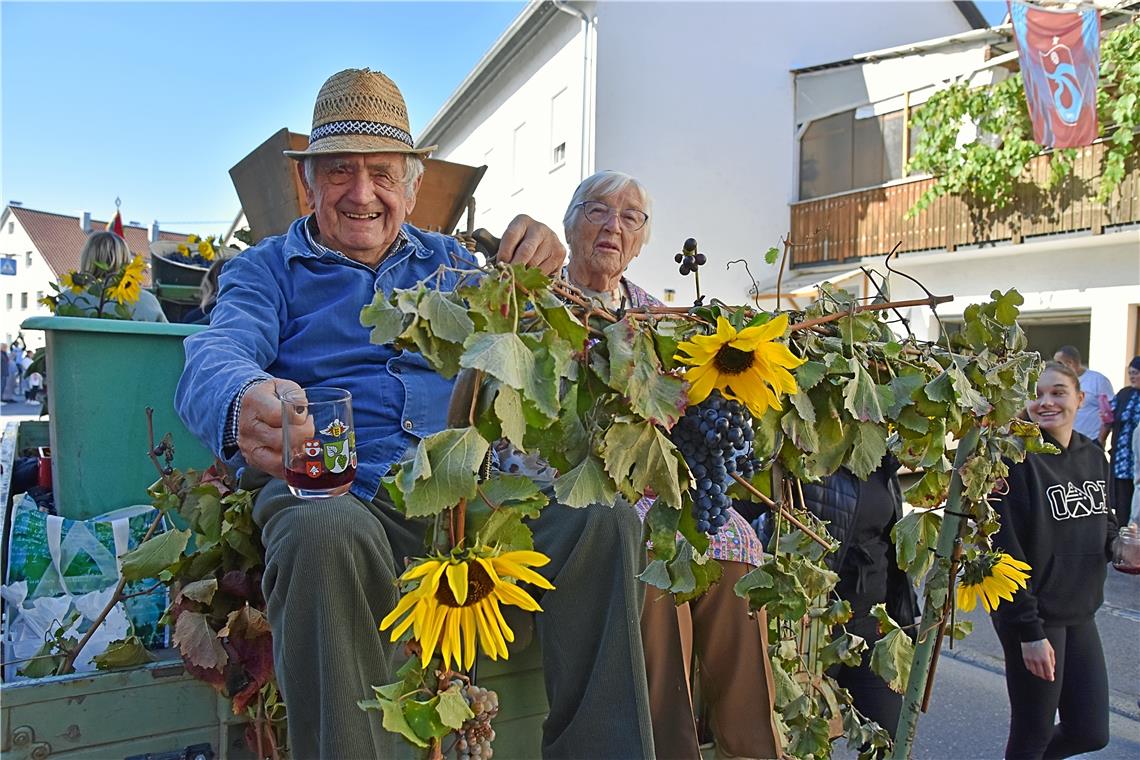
1056, 516
35, 383
207, 293
106, 251
1125, 416
1097, 390
7, 376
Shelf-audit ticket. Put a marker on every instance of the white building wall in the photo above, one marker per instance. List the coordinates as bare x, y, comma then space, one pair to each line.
696, 100
511, 128
1093, 277
29, 283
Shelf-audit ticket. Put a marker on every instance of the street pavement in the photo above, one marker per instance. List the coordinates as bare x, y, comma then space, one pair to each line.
20, 410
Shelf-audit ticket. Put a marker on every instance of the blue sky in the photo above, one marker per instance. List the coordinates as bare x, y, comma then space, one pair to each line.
154, 102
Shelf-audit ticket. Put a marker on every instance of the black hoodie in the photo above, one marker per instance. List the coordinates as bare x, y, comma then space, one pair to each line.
1056, 517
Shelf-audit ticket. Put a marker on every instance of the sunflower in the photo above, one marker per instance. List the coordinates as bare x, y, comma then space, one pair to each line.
206, 250
749, 366
992, 577
453, 614
72, 281
130, 284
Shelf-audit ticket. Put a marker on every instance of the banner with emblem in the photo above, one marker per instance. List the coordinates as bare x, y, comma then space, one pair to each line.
1060, 63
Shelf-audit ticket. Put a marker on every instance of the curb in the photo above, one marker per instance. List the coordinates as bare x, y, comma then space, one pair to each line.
1124, 705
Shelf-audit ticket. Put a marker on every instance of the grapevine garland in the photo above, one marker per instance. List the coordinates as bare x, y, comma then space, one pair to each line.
607, 400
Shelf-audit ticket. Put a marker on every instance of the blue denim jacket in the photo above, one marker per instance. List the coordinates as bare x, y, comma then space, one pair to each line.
287, 310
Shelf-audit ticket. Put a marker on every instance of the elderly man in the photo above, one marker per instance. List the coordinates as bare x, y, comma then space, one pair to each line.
287, 316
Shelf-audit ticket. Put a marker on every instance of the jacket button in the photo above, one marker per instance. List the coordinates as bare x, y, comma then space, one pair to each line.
408, 425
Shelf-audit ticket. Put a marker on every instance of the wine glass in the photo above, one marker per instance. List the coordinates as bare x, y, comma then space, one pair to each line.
319, 441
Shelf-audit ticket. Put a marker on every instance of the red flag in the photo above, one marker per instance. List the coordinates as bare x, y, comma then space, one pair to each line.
1060, 62
116, 224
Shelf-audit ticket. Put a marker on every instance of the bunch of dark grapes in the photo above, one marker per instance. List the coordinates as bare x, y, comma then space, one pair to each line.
715, 438
689, 259
476, 735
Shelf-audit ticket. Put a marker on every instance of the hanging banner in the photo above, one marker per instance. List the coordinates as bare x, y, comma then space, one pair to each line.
1060, 63
116, 224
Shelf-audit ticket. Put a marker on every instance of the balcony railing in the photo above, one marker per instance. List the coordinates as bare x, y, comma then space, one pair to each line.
870, 222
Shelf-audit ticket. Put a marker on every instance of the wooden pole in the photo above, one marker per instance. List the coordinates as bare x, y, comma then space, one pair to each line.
930, 630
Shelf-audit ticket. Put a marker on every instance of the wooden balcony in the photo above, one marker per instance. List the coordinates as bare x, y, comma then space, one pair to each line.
848, 226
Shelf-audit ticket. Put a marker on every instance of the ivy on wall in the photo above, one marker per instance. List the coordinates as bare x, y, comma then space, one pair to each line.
988, 168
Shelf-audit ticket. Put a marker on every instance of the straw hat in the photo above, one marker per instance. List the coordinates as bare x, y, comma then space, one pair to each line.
360, 111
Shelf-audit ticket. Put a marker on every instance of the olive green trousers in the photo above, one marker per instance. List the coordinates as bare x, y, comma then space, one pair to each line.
330, 571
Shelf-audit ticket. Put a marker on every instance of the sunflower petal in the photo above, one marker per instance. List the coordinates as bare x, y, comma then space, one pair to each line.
421, 569
523, 573
467, 627
428, 643
525, 557
405, 603
493, 604
511, 594
457, 581
701, 380
486, 639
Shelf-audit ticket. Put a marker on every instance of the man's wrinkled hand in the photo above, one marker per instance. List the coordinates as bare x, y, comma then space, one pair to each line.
260, 425
533, 244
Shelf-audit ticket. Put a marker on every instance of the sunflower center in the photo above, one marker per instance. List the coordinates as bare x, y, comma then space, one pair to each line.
479, 587
732, 361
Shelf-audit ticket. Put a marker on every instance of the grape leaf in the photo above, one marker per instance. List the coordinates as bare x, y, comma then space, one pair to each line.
705, 574
198, 642
915, 536
867, 450
682, 580
386, 321
154, 555
508, 408
636, 373
506, 528
125, 653
200, 591
453, 708
563, 321
860, 397
809, 374
448, 319
641, 454
501, 355
661, 522
246, 622
656, 574
893, 653
513, 492
800, 433
394, 719
423, 717
586, 484
845, 648
454, 456
930, 490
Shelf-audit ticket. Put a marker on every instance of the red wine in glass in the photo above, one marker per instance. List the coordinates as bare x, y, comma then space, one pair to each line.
328, 483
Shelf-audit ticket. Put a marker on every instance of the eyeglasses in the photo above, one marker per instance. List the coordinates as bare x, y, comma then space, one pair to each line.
631, 219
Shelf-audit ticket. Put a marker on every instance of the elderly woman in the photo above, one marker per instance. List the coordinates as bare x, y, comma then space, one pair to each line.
606, 225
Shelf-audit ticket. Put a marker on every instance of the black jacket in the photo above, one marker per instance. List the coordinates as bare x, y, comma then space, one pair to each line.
836, 500
1056, 516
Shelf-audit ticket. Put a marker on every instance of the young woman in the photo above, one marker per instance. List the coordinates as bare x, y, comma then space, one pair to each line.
1056, 515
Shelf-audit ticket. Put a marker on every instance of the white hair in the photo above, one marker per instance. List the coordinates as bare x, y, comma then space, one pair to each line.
601, 184
413, 168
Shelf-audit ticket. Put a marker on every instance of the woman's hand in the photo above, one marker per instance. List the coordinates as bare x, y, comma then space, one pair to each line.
533, 244
1039, 658
259, 426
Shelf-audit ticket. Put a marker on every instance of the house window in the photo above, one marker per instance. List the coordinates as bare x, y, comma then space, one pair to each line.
28, 259
518, 157
670, 295
8, 301
559, 126
23, 301
11, 228
841, 152
39, 296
